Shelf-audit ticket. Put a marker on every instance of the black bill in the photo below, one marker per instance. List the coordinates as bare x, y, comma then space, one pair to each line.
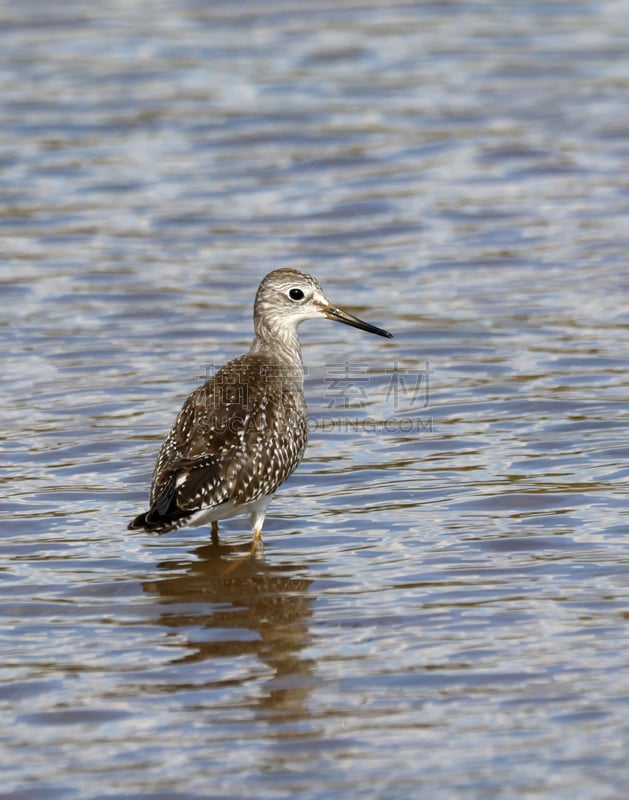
338, 315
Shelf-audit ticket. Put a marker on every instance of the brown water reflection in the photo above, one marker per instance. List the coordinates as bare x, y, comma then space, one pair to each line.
244, 605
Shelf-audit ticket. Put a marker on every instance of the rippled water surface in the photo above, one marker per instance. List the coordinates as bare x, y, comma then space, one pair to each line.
441, 606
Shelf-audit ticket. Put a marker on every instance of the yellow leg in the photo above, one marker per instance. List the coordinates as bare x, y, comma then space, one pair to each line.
215, 532
257, 536
255, 544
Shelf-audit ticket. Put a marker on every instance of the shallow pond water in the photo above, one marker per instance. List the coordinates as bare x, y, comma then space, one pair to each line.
441, 607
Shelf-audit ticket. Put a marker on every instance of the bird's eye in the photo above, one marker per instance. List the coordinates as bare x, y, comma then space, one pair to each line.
296, 294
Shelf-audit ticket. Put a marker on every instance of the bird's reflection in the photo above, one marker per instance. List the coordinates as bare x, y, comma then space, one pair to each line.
255, 608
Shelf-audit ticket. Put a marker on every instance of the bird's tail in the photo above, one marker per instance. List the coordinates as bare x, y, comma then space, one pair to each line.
137, 524
150, 522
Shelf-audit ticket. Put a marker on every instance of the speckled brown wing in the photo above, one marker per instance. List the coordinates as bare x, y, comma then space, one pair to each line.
237, 437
